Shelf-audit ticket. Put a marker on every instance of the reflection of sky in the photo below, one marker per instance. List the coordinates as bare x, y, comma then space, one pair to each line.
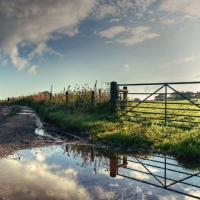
53, 173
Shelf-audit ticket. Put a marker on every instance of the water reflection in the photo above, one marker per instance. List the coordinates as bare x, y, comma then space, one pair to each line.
84, 172
42, 132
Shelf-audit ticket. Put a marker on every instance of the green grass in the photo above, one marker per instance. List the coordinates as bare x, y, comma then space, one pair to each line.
184, 114
98, 123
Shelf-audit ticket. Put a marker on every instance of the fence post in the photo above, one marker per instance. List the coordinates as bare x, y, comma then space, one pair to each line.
113, 95
124, 94
67, 96
50, 96
92, 100
165, 104
100, 95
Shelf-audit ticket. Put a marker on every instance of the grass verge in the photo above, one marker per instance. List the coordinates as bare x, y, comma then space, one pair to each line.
96, 122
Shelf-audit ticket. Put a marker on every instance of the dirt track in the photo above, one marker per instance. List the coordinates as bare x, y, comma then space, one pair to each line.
18, 131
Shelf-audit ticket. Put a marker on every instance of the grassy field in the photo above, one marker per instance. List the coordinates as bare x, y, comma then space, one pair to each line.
97, 122
178, 112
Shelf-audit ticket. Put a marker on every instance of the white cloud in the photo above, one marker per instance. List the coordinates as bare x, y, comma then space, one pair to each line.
167, 21
152, 20
138, 35
121, 7
142, 6
188, 7
5, 62
41, 49
187, 59
108, 42
190, 58
35, 22
3, 59
111, 32
114, 20
171, 20
127, 67
104, 10
32, 70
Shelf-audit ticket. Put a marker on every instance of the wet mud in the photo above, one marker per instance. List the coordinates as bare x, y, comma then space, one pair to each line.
21, 131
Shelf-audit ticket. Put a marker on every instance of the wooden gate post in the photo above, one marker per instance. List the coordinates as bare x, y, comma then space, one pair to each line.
113, 96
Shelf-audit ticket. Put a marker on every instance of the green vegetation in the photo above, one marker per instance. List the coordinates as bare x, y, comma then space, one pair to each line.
94, 119
179, 112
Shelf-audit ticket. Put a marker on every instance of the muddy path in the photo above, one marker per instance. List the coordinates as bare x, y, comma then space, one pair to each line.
18, 132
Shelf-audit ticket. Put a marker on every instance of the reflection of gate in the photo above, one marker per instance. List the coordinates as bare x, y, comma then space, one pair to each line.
117, 162
170, 107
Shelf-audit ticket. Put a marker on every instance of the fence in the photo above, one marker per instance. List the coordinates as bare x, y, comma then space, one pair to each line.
169, 106
93, 95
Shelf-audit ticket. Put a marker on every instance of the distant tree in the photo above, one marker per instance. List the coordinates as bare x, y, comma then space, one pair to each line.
177, 96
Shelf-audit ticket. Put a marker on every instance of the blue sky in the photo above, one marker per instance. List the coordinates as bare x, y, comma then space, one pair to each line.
68, 42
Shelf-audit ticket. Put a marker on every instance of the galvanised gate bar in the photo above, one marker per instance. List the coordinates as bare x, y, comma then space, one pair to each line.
164, 105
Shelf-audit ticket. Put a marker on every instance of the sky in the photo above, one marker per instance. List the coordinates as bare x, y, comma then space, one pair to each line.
69, 42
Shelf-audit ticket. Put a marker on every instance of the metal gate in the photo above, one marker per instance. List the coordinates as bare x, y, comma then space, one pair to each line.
164, 106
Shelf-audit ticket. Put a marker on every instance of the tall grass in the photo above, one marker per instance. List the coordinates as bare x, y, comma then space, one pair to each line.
95, 121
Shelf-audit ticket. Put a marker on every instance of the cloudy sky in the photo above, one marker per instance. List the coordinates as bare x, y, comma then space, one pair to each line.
68, 42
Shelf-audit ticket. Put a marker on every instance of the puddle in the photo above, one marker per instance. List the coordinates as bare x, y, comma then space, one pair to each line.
29, 111
83, 172
25, 113
42, 132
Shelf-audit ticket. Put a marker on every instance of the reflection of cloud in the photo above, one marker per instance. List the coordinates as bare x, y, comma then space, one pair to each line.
192, 191
104, 195
42, 181
139, 175
107, 173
